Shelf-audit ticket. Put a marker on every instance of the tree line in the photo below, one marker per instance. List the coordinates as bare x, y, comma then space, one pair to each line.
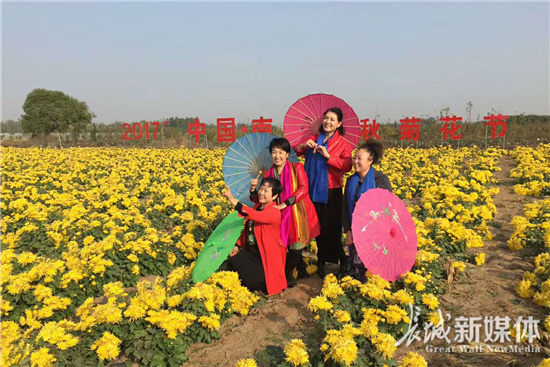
49, 112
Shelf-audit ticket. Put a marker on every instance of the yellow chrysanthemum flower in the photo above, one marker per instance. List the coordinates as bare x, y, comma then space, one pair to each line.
246, 363
413, 359
385, 344
480, 259
430, 300
296, 353
107, 347
42, 358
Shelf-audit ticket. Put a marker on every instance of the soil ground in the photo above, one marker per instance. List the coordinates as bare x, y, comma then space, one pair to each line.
487, 290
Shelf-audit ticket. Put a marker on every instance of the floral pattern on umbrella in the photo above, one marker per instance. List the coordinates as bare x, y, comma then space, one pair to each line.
384, 234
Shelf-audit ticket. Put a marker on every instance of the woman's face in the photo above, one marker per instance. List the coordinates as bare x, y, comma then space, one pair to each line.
331, 123
265, 194
279, 157
362, 162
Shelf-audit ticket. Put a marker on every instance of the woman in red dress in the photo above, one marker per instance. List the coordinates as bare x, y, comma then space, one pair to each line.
299, 223
259, 255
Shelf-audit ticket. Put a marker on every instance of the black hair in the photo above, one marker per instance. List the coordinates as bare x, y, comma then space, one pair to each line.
375, 149
280, 143
339, 116
276, 187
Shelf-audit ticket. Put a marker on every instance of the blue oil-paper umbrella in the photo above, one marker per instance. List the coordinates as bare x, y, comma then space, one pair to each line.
245, 159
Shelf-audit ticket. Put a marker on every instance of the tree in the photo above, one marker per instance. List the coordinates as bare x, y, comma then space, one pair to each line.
94, 133
47, 111
11, 127
444, 111
469, 106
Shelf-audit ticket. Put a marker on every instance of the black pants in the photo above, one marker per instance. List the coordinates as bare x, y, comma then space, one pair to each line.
293, 258
250, 270
329, 242
356, 268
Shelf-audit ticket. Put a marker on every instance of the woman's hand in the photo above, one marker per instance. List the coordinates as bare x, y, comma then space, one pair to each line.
308, 144
349, 238
280, 206
230, 196
227, 193
253, 184
323, 150
234, 252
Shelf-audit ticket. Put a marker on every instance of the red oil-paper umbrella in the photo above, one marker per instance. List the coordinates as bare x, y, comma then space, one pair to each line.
384, 234
305, 116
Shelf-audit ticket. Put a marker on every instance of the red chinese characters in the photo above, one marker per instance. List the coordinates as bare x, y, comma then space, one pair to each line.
261, 125
410, 128
197, 128
226, 129
369, 130
494, 122
446, 130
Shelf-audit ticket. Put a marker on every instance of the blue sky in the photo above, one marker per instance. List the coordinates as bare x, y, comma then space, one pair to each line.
135, 61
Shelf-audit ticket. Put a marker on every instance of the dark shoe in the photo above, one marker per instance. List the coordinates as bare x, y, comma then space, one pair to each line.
302, 272
321, 269
291, 284
344, 270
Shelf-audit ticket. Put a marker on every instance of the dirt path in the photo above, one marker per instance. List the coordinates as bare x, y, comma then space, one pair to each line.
267, 328
489, 290
483, 291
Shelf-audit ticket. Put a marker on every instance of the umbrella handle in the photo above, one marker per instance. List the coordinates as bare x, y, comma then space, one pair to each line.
259, 174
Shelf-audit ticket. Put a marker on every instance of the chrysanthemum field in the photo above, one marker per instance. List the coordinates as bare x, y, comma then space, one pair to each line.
98, 245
